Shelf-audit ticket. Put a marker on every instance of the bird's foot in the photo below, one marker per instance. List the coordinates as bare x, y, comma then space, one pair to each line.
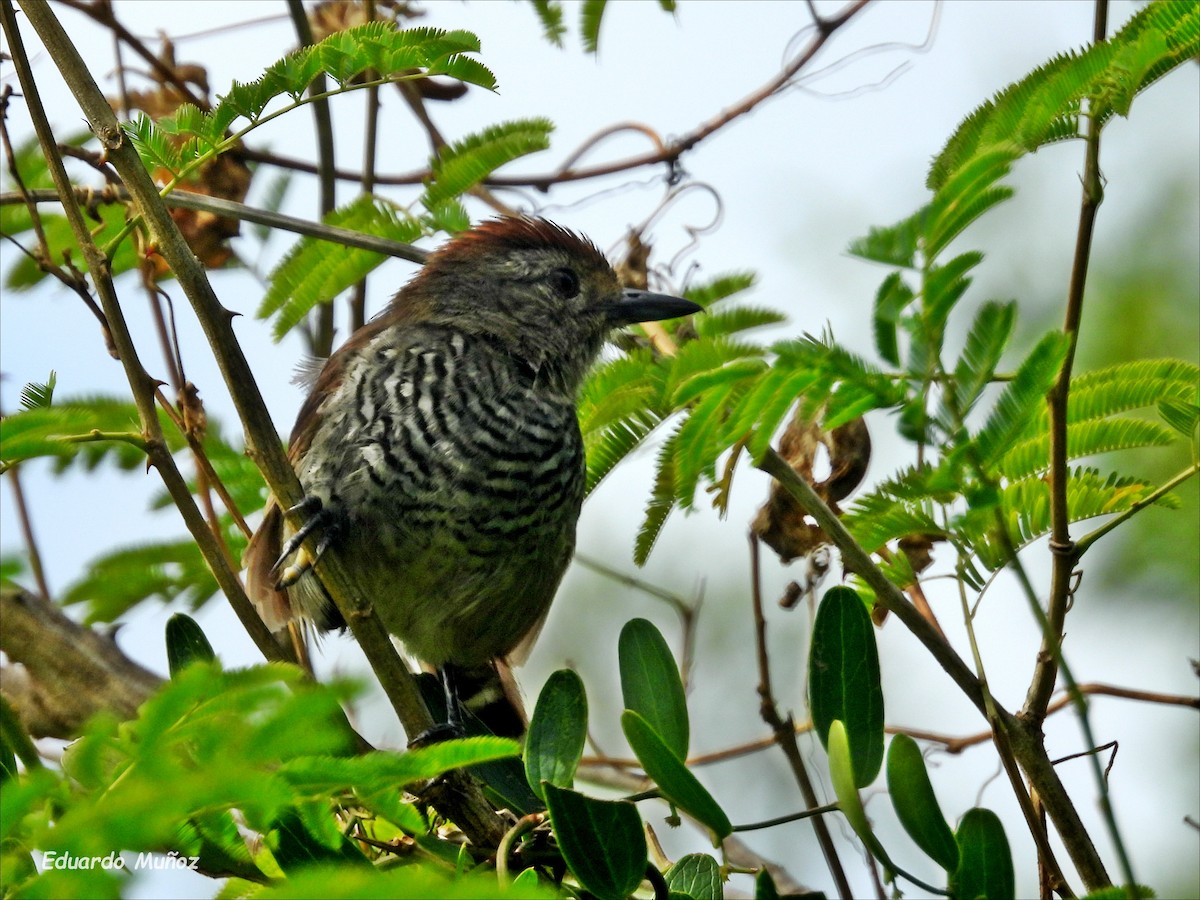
443, 731
320, 518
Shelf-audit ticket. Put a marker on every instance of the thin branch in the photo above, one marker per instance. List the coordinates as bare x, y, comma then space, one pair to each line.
231, 208
462, 801
1085, 543
1065, 553
358, 299
785, 733
141, 383
1027, 746
320, 335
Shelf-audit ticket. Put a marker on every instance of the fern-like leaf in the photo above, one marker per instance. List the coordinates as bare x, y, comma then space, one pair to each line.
895, 245
590, 16
726, 322
1021, 399
1025, 506
1045, 105
723, 286
1086, 438
469, 161
309, 274
43, 431
662, 502
986, 342
39, 396
892, 298
120, 580
550, 14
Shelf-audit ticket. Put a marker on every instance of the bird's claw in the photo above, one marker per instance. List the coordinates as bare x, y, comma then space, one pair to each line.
320, 518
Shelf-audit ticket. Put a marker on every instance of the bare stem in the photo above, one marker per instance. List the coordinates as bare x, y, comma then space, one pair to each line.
785, 732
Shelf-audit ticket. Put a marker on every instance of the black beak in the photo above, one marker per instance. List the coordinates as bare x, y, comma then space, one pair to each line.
644, 306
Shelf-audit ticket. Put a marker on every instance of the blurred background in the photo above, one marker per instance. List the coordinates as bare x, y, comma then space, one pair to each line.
791, 185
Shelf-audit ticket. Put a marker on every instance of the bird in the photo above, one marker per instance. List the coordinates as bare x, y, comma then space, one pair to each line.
439, 450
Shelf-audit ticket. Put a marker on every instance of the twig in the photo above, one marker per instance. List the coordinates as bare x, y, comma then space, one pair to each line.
1026, 742
231, 208
140, 382
358, 299
785, 733
463, 800
320, 333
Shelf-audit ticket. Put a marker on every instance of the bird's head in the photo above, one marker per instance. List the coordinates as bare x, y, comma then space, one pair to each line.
545, 293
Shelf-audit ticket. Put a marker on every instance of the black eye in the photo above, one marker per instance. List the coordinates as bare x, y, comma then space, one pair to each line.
565, 283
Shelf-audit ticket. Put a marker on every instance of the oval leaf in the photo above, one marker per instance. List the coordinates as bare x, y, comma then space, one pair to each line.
841, 774
696, 875
186, 643
650, 683
843, 675
601, 840
557, 732
916, 805
676, 783
985, 867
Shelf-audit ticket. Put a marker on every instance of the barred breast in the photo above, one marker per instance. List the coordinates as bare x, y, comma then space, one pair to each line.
456, 475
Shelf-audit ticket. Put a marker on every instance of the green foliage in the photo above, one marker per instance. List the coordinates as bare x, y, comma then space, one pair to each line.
843, 680
696, 875
186, 644
915, 803
87, 430
467, 162
263, 741
310, 274
601, 840
550, 14
184, 141
675, 781
557, 732
985, 866
651, 686
1048, 103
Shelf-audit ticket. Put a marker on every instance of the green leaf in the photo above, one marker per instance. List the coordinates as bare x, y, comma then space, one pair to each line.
469, 161
673, 778
661, 503
1022, 398
764, 887
843, 777
557, 732
311, 274
843, 673
707, 293
39, 396
985, 867
943, 286
1086, 438
1121, 892
895, 245
186, 643
1180, 415
968, 194
986, 343
589, 23
601, 840
651, 686
119, 580
550, 14
893, 297
916, 805
696, 875
726, 322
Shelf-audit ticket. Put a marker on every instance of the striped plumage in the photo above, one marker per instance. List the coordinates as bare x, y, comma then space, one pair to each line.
441, 448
